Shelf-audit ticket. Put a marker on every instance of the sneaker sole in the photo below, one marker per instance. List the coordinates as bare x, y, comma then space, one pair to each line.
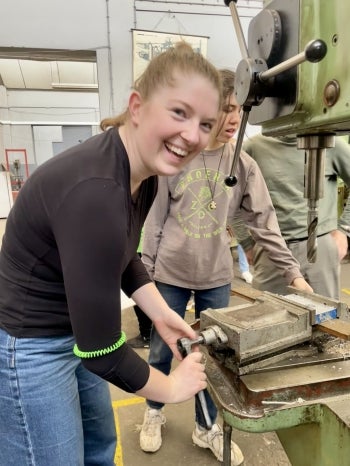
150, 450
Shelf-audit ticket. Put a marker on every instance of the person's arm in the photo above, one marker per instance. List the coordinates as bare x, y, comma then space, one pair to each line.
153, 227
188, 378
341, 240
341, 235
259, 215
341, 161
92, 247
168, 323
344, 220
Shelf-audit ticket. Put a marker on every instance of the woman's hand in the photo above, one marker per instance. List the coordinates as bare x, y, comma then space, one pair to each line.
168, 323
180, 385
171, 328
188, 378
301, 284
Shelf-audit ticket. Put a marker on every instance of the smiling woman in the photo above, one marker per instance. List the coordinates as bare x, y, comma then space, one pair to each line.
186, 103
63, 267
186, 110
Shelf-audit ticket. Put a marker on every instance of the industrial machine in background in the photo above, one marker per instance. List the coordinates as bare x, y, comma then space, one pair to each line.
293, 79
282, 363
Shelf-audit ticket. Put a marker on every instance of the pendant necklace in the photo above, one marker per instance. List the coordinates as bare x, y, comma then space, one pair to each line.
212, 203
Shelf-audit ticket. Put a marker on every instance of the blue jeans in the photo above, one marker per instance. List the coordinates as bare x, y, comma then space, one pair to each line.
53, 412
160, 355
242, 259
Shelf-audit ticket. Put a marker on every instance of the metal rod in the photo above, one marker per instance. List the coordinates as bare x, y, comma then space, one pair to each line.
231, 180
284, 66
204, 408
314, 51
227, 444
239, 31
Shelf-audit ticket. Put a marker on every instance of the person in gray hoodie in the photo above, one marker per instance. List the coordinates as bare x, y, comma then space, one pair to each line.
282, 165
186, 247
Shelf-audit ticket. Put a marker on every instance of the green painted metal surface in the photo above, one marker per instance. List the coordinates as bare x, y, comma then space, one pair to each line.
312, 435
329, 21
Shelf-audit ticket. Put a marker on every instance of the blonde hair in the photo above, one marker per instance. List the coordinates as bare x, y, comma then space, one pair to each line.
160, 71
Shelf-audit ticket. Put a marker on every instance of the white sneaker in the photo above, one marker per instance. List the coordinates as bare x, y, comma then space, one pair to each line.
151, 435
247, 276
190, 304
214, 439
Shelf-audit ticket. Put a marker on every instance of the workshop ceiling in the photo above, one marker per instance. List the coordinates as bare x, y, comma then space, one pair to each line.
48, 70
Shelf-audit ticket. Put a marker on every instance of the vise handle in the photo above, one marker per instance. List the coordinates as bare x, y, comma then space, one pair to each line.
209, 336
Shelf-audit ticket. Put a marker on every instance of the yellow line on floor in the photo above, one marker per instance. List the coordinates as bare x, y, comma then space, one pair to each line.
118, 458
346, 290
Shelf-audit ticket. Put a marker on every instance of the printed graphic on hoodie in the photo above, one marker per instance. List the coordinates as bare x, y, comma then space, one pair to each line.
198, 219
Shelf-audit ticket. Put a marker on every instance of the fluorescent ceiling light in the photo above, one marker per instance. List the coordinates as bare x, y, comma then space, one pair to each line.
73, 86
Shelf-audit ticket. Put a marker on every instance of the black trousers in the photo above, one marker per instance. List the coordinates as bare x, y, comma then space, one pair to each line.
145, 323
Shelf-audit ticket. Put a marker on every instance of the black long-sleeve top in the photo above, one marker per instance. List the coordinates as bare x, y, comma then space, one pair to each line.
70, 247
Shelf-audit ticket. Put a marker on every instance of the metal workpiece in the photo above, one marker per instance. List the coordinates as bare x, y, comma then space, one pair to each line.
320, 307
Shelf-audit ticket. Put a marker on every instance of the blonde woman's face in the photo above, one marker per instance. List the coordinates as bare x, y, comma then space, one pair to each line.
174, 124
229, 120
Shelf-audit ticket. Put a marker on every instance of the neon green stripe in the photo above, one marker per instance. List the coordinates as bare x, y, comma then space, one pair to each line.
100, 352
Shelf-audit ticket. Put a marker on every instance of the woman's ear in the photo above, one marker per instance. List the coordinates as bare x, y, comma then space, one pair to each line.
135, 103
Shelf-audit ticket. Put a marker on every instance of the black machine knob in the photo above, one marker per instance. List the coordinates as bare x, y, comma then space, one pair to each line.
315, 50
231, 181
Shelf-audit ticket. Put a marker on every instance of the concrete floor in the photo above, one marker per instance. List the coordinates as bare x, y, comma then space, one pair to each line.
177, 449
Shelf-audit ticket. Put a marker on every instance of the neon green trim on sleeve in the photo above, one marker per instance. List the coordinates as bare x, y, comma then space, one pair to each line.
100, 352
